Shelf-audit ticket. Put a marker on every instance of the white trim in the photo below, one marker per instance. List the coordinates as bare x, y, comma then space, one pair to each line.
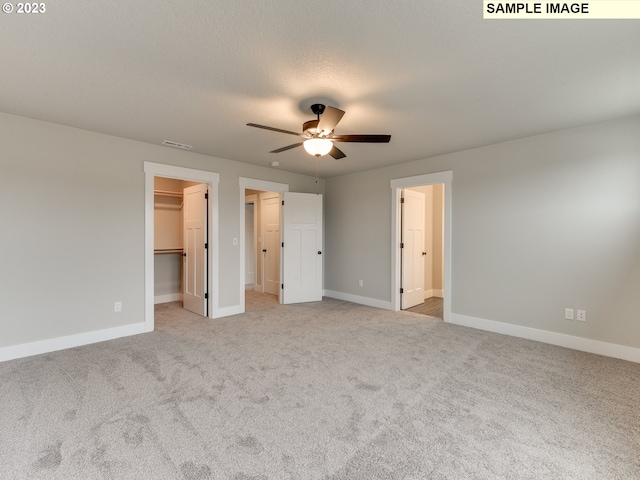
370, 302
253, 184
70, 341
170, 297
397, 184
560, 339
433, 293
152, 170
228, 311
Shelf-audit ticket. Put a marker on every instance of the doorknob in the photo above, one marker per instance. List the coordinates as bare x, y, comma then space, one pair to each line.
264, 250
424, 253
319, 252
184, 254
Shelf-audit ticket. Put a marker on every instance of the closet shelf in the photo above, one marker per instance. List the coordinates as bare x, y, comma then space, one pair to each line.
167, 193
168, 250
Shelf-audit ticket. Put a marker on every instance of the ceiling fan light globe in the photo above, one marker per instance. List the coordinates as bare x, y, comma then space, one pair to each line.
318, 146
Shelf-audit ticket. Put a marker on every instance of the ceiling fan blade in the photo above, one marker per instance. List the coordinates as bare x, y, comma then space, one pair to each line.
284, 149
362, 138
329, 120
274, 129
337, 153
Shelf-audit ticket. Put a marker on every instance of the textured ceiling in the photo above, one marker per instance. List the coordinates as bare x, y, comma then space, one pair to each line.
433, 74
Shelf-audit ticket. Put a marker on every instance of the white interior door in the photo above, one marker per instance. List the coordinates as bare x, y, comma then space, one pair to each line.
270, 214
195, 235
412, 211
302, 251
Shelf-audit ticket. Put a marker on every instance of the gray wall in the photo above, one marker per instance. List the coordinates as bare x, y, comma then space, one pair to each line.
539, 224
72, 210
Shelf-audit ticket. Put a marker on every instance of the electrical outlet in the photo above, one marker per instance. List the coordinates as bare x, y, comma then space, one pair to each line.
581, 315
360, 283
117, 307
568, 313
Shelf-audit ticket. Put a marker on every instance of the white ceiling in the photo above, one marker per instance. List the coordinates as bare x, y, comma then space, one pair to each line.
433, 74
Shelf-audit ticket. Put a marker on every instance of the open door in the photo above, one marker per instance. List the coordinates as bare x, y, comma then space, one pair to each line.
270, 218
412, 212
195, 243
301, 247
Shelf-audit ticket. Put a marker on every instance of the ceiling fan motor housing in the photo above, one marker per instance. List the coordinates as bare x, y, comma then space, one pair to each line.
310, 127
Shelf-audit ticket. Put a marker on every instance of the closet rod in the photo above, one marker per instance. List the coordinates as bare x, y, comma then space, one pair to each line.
168, 250
166, 193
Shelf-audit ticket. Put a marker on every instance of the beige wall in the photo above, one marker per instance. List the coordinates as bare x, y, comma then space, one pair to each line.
538, 224
72, 206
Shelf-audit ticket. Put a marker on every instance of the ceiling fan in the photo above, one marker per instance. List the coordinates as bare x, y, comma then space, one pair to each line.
319, 136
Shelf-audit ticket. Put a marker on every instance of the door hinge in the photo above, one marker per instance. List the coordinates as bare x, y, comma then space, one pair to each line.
402, 200
206, 195
402, 290
401, 245
282, 286
282, 244
206, 245
206, 296
283, 203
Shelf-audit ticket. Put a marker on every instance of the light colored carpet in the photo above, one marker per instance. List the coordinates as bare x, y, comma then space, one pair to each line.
326, 390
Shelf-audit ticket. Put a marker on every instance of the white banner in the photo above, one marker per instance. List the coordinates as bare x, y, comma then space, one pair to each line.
585, 10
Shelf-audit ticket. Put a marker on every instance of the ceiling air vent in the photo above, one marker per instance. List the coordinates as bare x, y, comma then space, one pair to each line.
169, 143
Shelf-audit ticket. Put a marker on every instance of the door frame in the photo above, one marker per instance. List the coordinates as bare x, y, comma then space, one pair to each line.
265, 186
397, 185
211, 179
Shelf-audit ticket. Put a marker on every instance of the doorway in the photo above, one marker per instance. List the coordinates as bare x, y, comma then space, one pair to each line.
421, 256
180, 243
422, 259
262, 241
259, 193
294, 237
208, 264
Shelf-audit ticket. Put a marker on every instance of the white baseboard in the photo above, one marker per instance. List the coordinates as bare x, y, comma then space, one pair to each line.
70, 341
433, 293
228, 311
370, 302
560, 339
171, 297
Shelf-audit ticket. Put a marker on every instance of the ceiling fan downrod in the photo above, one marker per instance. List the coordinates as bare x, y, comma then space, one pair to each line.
317, 109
